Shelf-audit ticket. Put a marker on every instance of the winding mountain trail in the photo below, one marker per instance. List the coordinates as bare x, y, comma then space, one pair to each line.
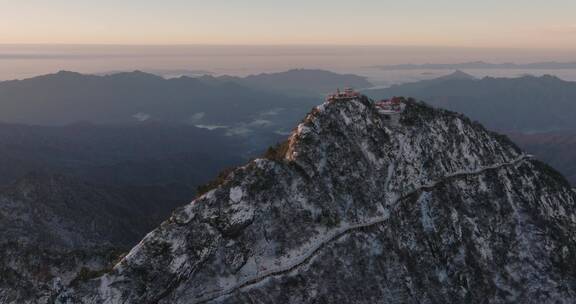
336, 234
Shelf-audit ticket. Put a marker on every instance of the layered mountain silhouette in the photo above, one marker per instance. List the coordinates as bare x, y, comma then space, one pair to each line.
298, 82
225, 102
68, 97
524, 104
550, 65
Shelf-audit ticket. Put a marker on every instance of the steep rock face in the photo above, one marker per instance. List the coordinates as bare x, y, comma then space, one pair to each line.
360, 207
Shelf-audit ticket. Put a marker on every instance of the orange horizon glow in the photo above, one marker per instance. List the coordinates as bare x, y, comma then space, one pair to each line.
451, 23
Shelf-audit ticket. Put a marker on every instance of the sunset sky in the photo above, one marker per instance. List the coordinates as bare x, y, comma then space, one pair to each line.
487, 23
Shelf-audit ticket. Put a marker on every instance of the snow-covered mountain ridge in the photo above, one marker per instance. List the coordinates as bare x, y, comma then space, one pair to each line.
361, 207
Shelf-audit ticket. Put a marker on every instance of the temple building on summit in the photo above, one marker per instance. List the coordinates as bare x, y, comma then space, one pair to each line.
348, 94
392, 105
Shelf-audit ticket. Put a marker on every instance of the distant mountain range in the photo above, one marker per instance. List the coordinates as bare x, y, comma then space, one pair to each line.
167, 73
68, 97
298, 82
551, 65
524, 104
260, 109
267, 102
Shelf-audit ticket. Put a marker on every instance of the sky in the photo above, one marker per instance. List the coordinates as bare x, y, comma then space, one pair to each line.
463, 23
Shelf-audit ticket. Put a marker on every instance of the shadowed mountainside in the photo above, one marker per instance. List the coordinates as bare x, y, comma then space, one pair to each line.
556, 149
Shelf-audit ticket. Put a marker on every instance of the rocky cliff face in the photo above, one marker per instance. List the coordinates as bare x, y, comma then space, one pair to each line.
361, 207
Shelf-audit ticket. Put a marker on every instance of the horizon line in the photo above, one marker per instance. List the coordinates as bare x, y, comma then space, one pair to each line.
286, 45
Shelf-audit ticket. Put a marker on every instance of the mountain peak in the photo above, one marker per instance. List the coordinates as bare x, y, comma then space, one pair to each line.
362, 204
136, 75
458, 75
68, 73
